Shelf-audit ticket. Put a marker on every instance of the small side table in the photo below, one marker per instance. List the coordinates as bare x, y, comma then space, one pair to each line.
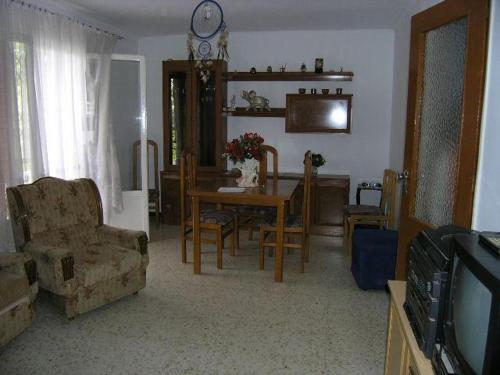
366, 187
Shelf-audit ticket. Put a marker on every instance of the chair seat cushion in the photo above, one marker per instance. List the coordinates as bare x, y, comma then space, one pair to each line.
291, 221
255, 210
13, 287
362, 209
220, 217
103, 261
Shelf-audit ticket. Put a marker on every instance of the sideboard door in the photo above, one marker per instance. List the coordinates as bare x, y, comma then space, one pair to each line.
329, 196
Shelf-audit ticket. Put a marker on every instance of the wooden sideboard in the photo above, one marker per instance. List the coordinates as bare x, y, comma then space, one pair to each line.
403, 356
329, 195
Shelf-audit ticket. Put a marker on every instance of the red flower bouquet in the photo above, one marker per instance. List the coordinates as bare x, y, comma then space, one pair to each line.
247, 146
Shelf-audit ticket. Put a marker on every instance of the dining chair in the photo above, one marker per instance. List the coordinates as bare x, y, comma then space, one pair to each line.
153, 194
250, 216
371, 215
295, 225
223, 223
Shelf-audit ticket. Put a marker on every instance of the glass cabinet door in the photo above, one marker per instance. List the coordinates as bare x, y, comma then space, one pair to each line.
177, 115
206, 124
192, 114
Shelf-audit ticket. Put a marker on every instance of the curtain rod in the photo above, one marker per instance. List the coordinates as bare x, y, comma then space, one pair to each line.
73, 19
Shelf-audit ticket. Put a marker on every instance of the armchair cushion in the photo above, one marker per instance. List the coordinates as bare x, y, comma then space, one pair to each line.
102, 261
69, 237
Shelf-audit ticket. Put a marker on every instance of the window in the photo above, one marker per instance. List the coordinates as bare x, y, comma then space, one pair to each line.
23, 112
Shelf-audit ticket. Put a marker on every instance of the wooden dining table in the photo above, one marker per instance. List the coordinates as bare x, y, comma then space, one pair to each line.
275, 193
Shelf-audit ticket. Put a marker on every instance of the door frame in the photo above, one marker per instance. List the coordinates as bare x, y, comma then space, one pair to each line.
143, 193
472, 103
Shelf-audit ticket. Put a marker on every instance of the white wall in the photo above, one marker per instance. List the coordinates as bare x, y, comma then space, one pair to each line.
368, 53
127, 45
487, 198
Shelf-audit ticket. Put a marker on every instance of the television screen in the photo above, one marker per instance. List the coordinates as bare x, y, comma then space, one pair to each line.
471, 315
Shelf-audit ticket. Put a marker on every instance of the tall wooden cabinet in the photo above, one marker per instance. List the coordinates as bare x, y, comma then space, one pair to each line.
192, 117
192, 120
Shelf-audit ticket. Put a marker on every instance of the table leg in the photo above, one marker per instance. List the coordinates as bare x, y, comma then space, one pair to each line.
196, 236
280, 226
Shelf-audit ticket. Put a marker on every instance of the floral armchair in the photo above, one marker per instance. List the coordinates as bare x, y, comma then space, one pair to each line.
18, 289
81, 262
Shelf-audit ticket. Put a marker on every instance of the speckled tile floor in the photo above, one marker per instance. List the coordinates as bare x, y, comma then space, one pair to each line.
231, 321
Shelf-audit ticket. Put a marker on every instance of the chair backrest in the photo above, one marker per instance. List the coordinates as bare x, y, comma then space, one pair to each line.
136, 157
388, 201
50, 204
306, 202
187, 181
263, 164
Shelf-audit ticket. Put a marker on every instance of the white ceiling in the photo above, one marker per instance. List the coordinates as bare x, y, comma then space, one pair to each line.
160, 17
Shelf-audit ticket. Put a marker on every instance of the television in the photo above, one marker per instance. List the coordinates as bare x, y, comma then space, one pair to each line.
471, 324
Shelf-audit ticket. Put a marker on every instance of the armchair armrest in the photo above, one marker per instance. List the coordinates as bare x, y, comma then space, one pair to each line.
130, 239
20, 264
55, 265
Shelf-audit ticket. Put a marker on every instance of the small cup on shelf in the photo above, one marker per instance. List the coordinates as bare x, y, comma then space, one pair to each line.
314, 91
338, 91
325, 91
302, 90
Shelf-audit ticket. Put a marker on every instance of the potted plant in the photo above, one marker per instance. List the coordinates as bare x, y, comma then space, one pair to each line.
317, 161
245, 152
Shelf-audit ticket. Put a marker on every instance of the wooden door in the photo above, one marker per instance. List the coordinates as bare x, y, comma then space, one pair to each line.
445, 94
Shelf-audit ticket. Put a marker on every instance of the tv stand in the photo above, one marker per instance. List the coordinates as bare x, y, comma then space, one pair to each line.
403, 356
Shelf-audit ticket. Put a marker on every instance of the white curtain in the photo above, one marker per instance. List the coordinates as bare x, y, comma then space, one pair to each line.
54, 118
101, 152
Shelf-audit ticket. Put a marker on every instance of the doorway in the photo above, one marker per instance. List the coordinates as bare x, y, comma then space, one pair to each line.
128, 116
445, 95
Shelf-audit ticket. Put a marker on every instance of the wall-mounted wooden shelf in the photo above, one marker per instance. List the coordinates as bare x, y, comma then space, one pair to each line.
242, 112
288, 76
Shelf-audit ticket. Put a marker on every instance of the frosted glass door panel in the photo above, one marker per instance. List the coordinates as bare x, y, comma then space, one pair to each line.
441, 122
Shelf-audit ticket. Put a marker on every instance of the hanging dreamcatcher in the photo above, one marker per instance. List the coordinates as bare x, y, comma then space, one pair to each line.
206, 22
